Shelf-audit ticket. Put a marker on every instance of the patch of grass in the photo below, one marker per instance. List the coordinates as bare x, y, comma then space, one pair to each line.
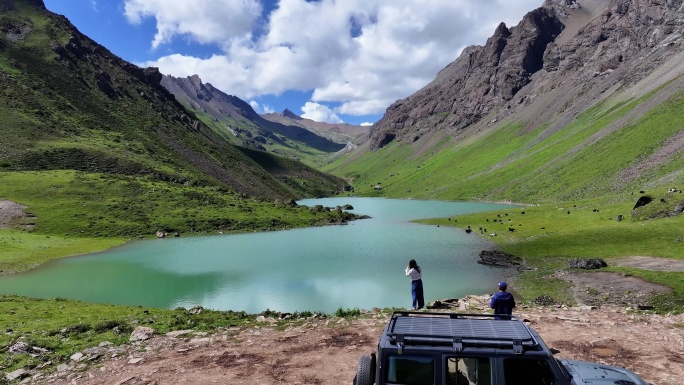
21, 250
75, 212
347, 313
65, 327
302, 314
542, 282
663, 303
586, 228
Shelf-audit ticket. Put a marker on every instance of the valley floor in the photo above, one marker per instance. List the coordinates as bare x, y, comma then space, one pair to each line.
326, 351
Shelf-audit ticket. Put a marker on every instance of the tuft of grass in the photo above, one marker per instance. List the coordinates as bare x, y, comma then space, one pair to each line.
347, 313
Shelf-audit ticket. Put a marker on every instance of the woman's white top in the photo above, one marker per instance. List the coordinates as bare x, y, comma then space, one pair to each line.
413, 273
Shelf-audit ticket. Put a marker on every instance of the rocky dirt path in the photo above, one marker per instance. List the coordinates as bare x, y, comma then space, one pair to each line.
326, 351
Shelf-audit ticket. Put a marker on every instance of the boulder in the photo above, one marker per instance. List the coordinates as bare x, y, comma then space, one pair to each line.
498, 258
141, 333
544, 300
19, 347
17, 374
642, 201
77, 357
196, 310
587, 263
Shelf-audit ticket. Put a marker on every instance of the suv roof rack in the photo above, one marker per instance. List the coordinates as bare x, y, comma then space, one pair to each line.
459, 330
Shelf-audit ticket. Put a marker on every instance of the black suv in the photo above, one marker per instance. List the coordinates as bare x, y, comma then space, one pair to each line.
423, 348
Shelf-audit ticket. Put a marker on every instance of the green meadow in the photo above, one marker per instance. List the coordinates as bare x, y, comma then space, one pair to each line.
65, 327
548, 236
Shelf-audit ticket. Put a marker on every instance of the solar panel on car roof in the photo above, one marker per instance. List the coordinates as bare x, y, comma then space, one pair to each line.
465, 328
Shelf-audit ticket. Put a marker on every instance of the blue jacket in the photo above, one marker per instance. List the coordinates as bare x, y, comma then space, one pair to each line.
502, 303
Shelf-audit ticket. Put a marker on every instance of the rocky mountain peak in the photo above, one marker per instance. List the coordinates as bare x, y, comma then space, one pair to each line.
289, 114
564, 43
571, 4
195, 81
478, 81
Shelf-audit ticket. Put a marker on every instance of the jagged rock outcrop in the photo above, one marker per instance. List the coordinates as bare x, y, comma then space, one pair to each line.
291, 115
498, 258
560, 46
480, 79
587, 263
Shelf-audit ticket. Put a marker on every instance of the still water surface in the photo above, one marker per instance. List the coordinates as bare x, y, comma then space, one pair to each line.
360, 265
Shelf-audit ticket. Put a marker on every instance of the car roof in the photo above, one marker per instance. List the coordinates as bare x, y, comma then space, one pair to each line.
408, 328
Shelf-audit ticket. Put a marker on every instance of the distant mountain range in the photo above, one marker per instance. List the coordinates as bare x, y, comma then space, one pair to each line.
581, 98
234, 119
336, 132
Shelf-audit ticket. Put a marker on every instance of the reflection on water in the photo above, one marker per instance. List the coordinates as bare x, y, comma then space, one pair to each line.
360, 265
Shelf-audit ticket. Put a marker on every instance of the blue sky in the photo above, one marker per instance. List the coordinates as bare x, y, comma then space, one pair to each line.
326, 60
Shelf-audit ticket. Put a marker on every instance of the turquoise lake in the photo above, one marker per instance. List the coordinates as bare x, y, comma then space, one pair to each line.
359, 265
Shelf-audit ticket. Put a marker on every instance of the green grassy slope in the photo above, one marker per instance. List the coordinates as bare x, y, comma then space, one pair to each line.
278, 145
68, 103
548, 236
528, 166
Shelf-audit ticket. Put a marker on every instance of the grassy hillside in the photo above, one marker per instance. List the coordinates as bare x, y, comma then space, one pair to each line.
67, 103
548, 236
516, 163
248, 129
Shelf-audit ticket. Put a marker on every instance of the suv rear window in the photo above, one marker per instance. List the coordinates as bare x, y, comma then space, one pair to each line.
468, 371
528, 372
410, 369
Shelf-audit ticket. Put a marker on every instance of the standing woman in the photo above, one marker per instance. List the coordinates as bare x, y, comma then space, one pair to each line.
413, 271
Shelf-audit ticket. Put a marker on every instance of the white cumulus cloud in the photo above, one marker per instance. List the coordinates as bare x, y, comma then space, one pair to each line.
206, 22
320, 113
359, 54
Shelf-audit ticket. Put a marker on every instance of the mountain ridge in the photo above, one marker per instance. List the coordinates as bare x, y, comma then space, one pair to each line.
527, 61
230, 114
338, 132
69, 103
